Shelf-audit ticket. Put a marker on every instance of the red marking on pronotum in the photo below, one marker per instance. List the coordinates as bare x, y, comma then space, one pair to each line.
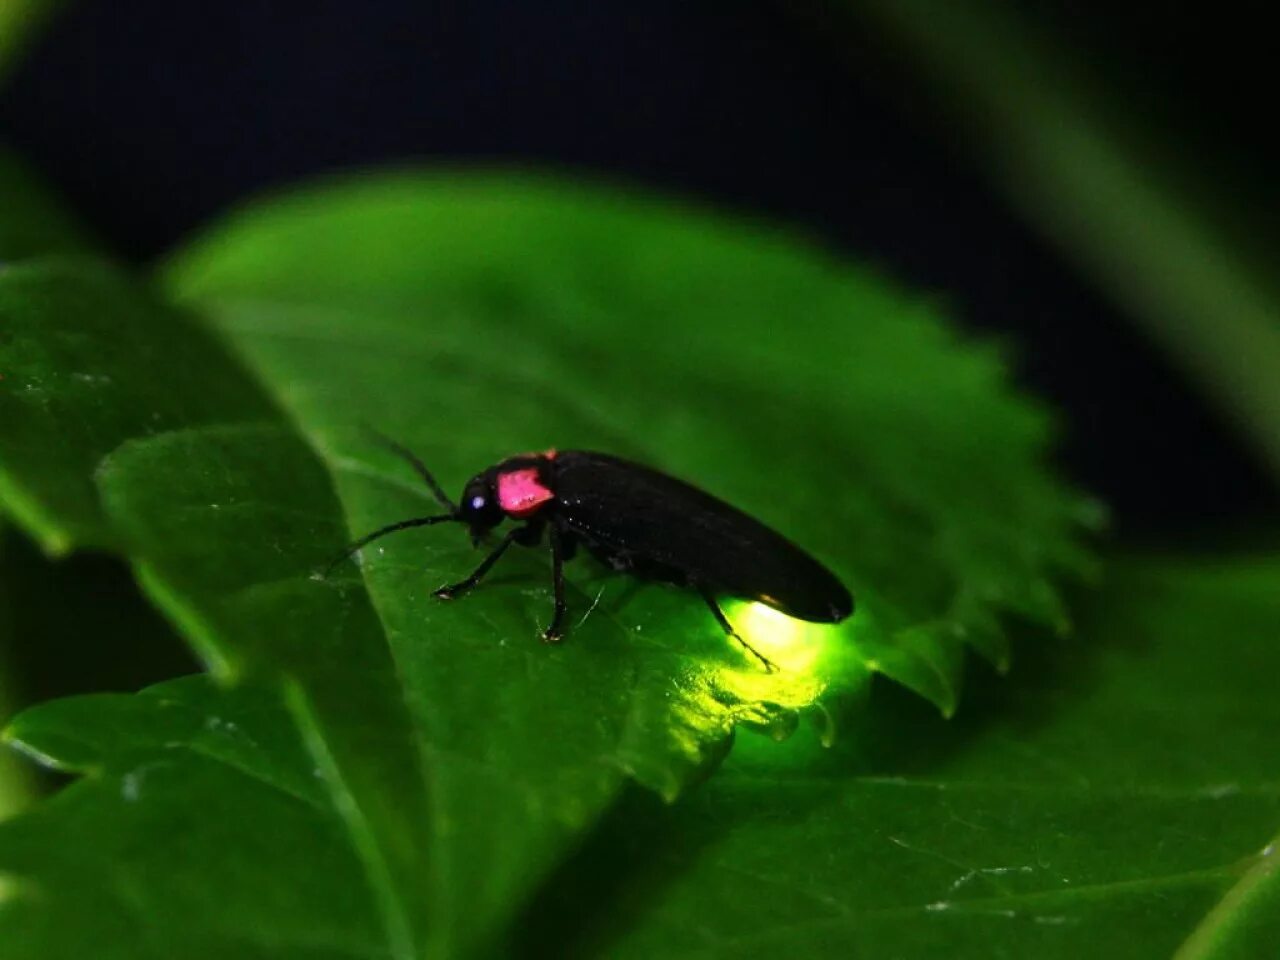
521, 493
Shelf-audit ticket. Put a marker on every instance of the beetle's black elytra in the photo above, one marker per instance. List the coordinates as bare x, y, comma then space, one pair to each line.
636, 520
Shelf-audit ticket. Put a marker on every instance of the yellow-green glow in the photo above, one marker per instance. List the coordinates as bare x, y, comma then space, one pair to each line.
801, 650
717, 693
794, 645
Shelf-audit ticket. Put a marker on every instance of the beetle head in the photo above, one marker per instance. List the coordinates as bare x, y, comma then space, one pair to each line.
479, 508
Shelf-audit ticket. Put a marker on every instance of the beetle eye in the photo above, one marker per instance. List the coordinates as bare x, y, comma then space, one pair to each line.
477, 502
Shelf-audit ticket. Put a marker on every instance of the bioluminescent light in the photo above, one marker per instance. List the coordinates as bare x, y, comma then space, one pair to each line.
794, 645
801, 650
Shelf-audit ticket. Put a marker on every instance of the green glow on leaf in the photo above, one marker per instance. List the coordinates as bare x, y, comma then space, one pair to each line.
804, 653
796, 646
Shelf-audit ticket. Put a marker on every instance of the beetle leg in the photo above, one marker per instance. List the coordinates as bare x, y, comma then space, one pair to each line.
554, 632
725, 625
400, 450
530, 535
451, 590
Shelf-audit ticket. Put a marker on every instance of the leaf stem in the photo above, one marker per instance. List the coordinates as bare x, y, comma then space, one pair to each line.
1094, 181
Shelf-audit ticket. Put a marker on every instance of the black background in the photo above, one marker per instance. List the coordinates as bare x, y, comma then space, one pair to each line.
151, 117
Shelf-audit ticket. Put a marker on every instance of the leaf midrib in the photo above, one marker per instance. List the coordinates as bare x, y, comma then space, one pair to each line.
1200, 943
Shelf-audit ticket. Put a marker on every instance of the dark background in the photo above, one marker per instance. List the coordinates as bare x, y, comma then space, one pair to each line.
151, 117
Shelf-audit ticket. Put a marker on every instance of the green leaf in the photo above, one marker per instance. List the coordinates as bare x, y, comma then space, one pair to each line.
18, 19
200, 829
95, 364
16, 787
32, 222
1120, 198
91, 361
1118, 797
473, 317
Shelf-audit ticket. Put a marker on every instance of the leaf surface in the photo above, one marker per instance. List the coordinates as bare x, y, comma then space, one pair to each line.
94, 363
200, 828
472, 317
1118, 797
16, 786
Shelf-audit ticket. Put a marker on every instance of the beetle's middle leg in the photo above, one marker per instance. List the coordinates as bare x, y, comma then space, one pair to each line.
514, 535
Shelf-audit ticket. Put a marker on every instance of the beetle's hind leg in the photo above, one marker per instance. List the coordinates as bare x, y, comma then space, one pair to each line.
727, 627
561, 547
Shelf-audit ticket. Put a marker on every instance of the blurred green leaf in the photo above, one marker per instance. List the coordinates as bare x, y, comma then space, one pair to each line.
1118, 797
18, 20
1098, 180
200, 829
16, 787
32, 222
91, 360
92, 363
473, 317
78, 625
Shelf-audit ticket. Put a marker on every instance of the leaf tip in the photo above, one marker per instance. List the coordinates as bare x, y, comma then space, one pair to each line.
1092, 513
825, 722
55, 542
13, 737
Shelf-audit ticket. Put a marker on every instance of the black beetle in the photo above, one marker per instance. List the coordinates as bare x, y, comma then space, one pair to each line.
637, 520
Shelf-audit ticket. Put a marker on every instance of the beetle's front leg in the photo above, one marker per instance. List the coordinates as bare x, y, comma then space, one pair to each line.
451, 590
